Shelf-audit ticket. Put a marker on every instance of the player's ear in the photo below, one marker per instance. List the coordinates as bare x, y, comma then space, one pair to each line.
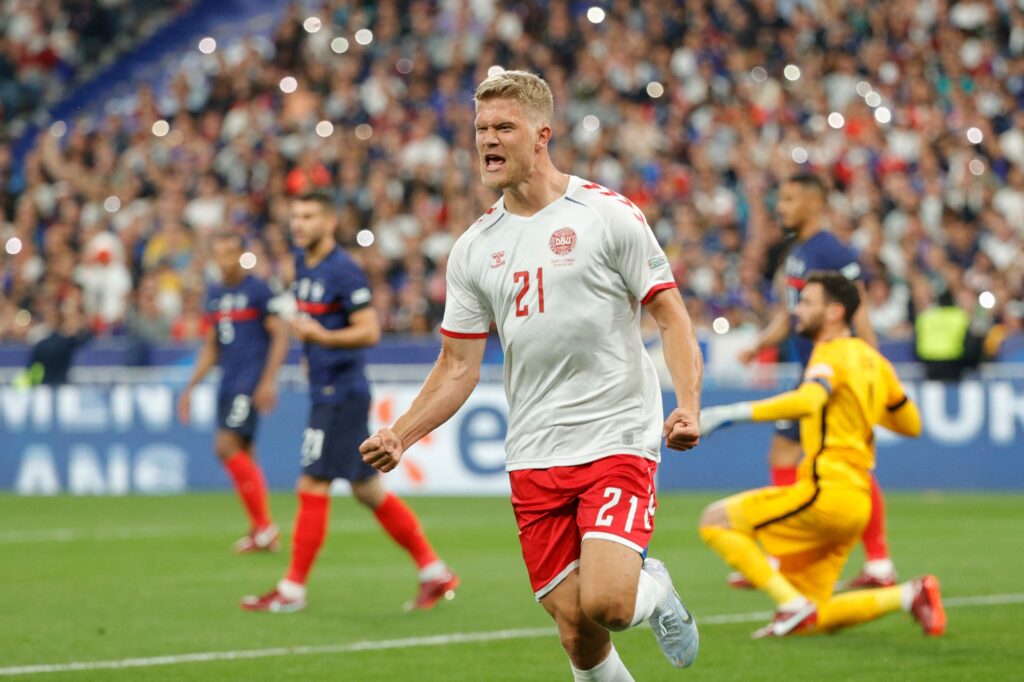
543, 136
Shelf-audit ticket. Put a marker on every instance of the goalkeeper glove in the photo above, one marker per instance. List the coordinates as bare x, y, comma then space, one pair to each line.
719, 416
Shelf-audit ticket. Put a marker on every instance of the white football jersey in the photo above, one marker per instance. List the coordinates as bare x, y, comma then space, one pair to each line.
564, 288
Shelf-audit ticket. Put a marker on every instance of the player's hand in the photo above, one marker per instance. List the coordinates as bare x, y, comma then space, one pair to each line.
185, 406
306, 329
264, 398
382, 451
721, 416
681, 431
747, 355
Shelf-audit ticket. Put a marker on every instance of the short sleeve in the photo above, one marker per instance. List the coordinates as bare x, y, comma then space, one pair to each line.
637, 255
465, 316
355, 291
844, 260
824, 368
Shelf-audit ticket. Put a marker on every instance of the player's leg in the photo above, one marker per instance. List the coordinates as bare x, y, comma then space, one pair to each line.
735, 542
233, 445
878, 569
320, 465
784, 454
400, 522
592, 655
920, 597
618, 587
545, 509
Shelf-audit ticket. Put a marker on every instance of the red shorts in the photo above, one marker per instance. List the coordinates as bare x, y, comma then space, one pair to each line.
556, 509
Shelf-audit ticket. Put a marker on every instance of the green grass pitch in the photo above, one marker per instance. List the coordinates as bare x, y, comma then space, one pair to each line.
108, 579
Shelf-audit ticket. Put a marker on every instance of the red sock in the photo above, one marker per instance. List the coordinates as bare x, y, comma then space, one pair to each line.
310, 531
875, 544
251, 487
404, 528
783, 475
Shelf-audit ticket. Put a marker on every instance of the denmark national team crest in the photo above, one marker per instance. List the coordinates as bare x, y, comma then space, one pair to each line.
563, 241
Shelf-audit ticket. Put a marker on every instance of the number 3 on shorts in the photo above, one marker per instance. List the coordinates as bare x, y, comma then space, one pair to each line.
605, 518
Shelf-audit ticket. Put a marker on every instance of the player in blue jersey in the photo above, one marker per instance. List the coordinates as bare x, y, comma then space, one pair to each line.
249, 342
802, 207
335, 323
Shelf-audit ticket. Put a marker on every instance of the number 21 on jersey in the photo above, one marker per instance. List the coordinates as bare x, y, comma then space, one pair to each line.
522, 279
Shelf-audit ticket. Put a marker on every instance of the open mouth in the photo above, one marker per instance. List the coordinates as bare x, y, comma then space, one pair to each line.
493, 162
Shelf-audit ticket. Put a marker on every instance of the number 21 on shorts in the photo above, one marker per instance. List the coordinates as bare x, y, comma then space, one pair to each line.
522, 278
608, 519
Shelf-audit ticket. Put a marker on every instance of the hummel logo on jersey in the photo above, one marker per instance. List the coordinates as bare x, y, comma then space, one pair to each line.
499, 259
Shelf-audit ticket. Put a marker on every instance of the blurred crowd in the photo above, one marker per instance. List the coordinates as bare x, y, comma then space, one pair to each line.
45, 45
912, 111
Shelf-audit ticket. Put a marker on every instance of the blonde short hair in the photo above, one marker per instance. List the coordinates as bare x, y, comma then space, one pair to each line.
527, 88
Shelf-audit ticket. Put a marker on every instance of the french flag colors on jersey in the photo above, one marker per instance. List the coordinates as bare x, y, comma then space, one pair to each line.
564, 288
237, 313
821, 252
329, 292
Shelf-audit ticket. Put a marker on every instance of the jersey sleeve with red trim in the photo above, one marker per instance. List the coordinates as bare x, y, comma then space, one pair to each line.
465, 315
636, 254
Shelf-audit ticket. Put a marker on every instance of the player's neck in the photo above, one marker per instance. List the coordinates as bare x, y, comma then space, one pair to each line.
831, 333
809, 230
233, 279
546, 185
319, 250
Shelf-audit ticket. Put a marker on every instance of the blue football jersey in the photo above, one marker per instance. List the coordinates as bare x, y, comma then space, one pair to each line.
330, 292
238, 314
821, 252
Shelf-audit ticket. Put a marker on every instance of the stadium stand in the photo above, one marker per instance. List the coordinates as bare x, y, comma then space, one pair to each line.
912, 111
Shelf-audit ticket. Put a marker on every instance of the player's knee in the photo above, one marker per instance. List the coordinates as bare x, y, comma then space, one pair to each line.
609, 610
369, 493
714, 516
578, 643
227, 445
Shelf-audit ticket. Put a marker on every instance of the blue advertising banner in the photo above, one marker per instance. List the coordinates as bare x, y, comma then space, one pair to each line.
125, 439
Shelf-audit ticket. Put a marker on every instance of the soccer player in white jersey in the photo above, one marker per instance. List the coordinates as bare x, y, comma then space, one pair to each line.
562, 267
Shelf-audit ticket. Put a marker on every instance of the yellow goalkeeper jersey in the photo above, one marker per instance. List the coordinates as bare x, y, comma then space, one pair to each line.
864, 391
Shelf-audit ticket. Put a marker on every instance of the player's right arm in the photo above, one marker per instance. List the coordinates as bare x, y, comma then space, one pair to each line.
449, 384
822, 375
205, 361
776, 332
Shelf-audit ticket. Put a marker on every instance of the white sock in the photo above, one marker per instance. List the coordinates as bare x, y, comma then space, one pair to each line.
291, 590
434, 571
794, 604
649, 593
879, 568
907, 596
611, 669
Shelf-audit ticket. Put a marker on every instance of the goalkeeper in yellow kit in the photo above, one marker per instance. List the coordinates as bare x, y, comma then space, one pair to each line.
812, 525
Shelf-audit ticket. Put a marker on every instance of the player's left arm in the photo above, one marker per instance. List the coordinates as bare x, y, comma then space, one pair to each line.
265, 395
638, 258
363, 330
685, 365
901, 414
